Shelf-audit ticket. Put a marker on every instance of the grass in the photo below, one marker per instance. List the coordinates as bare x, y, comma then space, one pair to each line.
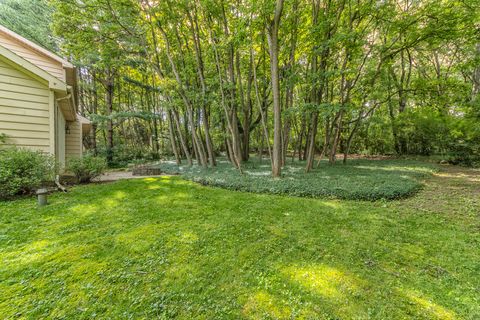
170, 248
358, 180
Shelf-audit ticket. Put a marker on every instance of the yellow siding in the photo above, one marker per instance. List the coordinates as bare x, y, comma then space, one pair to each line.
42, 61
73, 141
60, 137
24, 109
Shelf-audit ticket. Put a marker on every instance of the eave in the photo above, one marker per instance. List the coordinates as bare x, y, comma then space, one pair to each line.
18, 62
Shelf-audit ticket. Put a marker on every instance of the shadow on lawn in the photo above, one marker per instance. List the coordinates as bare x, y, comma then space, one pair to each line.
168, 248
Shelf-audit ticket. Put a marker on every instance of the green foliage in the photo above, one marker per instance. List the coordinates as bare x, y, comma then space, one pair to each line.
425, 131
125, 155
86, 168
360, 179
22, 171
382, 76
31, 19
3, 138
464, 147
166, 248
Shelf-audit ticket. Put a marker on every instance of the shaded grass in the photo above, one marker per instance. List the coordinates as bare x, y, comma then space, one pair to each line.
357, 180
168, 248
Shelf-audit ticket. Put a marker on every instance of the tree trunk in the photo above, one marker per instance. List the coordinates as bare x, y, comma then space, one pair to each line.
95, 112
109, 105
272, 36
208, 139
182, 139
173, 143
311, 146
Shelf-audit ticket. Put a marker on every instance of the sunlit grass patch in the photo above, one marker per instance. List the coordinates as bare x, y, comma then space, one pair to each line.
262, 305
326, 281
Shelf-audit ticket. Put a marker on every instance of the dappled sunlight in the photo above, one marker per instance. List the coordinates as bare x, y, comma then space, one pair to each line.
324, 280
409, 251
172, 197
396, 168
360, 180
163, 198
187, 237
470, 176
86, 269
332, 204
29, 253
180, 246
84, 209
258, 173
110, 203
120, 195
73, 253
427, 307
170, 247
261, 304
277, 231
139, 238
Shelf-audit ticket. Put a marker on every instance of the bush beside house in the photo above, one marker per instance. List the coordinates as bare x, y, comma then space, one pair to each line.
22, 171
86, 168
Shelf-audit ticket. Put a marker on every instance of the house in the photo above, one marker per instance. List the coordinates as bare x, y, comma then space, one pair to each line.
38, 99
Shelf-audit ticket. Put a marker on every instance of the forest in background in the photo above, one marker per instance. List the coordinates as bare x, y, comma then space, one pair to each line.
291, 79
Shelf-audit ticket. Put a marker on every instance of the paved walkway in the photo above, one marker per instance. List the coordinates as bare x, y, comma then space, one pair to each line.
118, 175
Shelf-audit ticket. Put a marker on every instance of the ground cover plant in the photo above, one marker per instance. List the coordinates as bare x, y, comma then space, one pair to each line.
170, 248
360, 179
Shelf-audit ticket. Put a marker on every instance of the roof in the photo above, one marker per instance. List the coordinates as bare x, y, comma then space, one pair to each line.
86, 124
36, 47
53, 82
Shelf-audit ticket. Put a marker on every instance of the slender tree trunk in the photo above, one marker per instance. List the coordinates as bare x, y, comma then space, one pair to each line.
300, 138
181, 137
208, 138
326, 141
95, 112
263, 115
109, 104
172, 138
336, 138
272, 36
311, 145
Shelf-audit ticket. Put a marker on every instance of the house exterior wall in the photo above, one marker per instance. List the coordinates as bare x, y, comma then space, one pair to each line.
59, 136
73, 140
25, 111
37, 99
42, 61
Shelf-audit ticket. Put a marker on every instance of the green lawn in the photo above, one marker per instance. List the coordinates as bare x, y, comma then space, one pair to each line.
358, 180
169, 248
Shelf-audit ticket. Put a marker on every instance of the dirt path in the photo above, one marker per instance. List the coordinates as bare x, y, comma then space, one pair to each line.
453, 190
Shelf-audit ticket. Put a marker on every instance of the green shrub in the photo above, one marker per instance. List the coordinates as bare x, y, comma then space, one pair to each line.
3, 138
86, 168
22, 171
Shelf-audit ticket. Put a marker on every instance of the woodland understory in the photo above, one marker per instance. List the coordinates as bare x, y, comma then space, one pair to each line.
303, 79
